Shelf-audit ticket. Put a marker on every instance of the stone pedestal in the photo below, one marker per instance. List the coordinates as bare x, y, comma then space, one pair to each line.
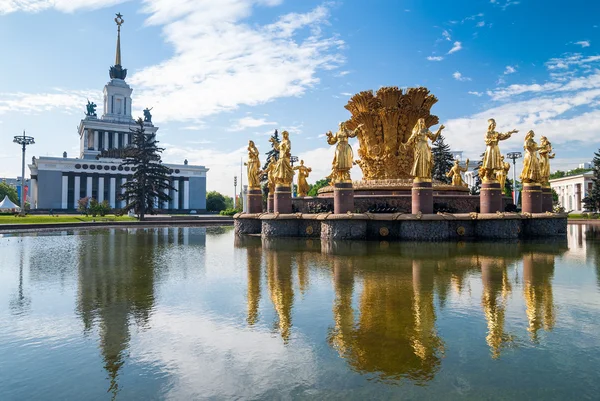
490, 197
422, 197
270, 202
531, 198
547, 199
343, 198
254, 202
282, 202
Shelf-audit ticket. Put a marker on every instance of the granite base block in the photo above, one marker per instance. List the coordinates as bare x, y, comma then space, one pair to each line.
544, 227
247, 226
280, 228
424, 230
346, 229
498, 229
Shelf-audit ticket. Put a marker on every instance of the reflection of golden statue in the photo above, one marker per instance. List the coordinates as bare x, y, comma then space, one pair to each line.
342, 161
502, 173
387, 119
492, 161
423, 161
303, 172
455, 171
253, 164
531, 163
538, 271
545, 152
283, 173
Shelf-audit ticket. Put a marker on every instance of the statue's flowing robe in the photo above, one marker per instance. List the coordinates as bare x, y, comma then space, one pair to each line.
284, 173
423, 162
492, 161
531, 164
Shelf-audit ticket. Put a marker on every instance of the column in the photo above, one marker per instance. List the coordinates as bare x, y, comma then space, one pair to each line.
96, 140
176, 194
112, 189
65, 189
105, 140
100, 189
126, 140
77, 191
123, 201
116, 140
186, 194
166, 203
88, 188
85, 139
33, 196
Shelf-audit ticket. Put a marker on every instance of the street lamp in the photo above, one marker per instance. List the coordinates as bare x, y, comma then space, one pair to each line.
234, 190
23, 140
514, 156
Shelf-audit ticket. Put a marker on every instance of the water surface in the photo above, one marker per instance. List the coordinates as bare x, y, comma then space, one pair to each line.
196, 313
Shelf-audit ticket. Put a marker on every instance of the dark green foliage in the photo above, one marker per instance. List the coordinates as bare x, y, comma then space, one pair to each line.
215, 202
229, 212
150, 178
271, 154
575, 171
477, 187
314, 189
5, 190
442, 160
592, 201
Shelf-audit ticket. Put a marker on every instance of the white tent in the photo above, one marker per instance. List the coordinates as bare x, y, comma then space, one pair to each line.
7, 204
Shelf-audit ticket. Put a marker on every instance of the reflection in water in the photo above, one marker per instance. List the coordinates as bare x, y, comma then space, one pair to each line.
592, 236
538, 270
279, 281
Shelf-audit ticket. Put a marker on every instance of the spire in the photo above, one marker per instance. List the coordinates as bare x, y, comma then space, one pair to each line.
117, 71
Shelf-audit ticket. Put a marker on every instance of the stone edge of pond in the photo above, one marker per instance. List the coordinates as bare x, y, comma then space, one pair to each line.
112, 224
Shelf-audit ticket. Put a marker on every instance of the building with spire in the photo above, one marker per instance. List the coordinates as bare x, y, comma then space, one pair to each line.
58, 183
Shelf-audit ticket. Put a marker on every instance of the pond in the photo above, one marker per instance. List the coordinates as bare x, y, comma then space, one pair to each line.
197, 313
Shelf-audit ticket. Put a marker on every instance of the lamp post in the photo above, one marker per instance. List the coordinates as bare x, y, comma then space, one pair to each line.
234, 190
23, 140
514, 156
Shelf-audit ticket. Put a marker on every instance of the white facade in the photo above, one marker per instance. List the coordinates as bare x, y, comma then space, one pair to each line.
572, 190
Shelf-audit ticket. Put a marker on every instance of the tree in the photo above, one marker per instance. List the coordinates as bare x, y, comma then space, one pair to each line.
83, 205
475, 189
314, 189
150, 178
272, 154
11, 192
215, 202
442, 160
592, 201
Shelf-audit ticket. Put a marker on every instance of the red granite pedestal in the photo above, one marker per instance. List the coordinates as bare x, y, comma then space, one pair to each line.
531, 198
270, 202
490, 197
343, 198
282, 201
255, 204
547, 205
422, 197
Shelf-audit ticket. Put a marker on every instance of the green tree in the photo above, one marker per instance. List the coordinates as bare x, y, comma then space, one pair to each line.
271, 154
314, 189
442, 160
215, 202
11, 192
477, 187
150, 178
592, 201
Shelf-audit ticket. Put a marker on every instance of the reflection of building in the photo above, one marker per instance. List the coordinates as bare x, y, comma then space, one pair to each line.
59, 182
571, 190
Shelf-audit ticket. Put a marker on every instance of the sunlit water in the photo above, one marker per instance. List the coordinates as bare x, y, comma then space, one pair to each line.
195, 313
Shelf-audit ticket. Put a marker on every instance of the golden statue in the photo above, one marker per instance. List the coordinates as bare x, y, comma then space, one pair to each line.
531, 163
303, 172
455, 171
253, 164
342, 162
545, 152
502, 173
283, 173
387, 119
423, 161
270, 177
492, 161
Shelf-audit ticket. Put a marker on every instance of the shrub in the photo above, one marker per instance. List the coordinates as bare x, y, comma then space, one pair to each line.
83, 205
229, 212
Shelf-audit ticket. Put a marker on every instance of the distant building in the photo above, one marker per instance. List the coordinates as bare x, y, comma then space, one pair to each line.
16, 184
59, 182
571, 190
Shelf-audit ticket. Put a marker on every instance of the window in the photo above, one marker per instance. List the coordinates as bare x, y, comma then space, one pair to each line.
119, 101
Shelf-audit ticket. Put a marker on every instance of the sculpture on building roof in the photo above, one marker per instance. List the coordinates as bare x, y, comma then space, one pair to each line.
91, 109
455, 171
342, 161
147, 115
492, 161
423, 160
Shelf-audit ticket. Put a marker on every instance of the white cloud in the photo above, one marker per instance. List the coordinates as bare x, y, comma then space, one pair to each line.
504, 4
480, 24
456, 47
220, 62
459, 77
446, 35
58, 100
435, 58
347, 94
69, 6
478, 94
569, 60
509, 70
342, 74
583, 43
250, 122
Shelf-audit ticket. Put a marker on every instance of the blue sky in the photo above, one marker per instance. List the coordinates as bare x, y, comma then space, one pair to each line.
221, 72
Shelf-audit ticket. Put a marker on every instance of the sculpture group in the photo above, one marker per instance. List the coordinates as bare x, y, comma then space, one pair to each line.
393, 132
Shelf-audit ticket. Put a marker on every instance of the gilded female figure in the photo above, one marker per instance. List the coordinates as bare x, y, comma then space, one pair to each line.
253, 164
423, 161
303, 172
455, 171
545, 152
531, 163
283, 172
502, 173
342, 161
492, 158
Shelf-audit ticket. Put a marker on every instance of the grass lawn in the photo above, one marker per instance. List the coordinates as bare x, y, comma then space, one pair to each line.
583, 216
44, 219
